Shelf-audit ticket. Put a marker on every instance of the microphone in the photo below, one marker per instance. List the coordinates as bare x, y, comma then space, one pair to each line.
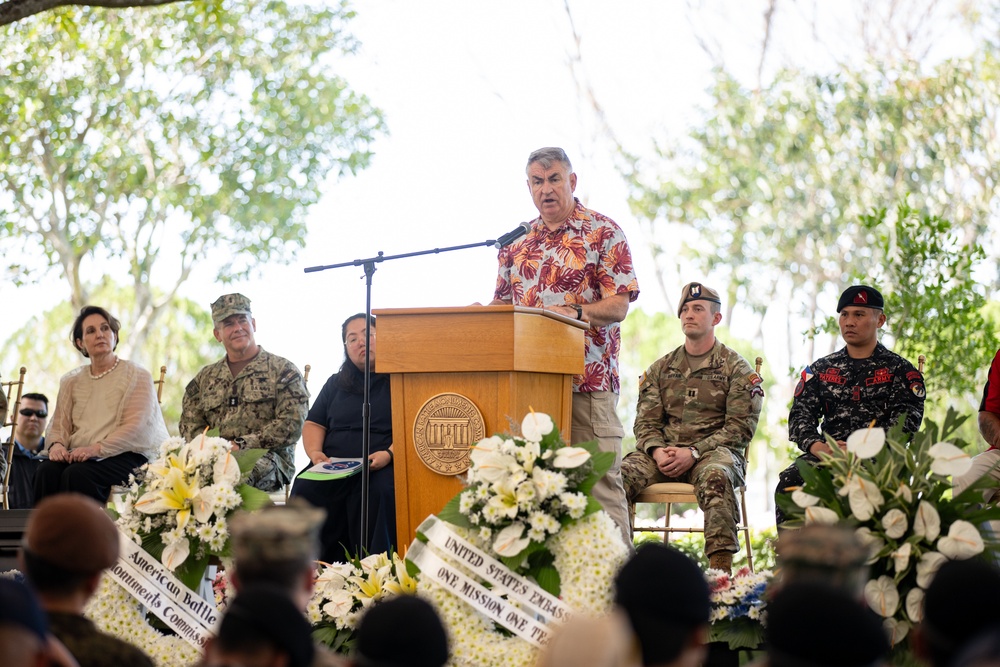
513, 235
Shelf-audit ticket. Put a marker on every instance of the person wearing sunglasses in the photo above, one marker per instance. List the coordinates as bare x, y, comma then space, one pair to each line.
29, 441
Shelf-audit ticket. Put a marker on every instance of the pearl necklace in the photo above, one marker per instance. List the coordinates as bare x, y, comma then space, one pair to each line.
98, 377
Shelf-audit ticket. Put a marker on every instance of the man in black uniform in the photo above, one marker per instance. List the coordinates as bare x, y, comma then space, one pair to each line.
846, 390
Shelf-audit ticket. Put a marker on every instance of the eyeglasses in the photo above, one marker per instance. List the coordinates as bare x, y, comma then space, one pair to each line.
27, 412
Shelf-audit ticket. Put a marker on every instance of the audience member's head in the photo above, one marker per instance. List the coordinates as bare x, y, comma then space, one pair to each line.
23, 630
809, 623
830, 555
667, 600
608, 641
418, 638
261, 628
277, 545
68, 542
33, 414
960, 604
983, 651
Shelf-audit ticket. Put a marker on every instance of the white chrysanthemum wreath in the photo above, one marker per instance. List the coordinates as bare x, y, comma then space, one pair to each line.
177, 508
117, 613
527, 504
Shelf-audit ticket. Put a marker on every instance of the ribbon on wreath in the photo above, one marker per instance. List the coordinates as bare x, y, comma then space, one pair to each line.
513, 601
150, 583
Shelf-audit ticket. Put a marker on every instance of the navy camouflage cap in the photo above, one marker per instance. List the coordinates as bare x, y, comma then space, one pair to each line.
697, 292
228, 305
860, 296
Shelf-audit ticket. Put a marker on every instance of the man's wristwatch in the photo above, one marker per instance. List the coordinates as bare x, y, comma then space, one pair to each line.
579, 310
695, 453
240, 442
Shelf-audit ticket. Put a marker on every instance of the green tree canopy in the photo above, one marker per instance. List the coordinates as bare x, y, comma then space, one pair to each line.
772, 188
773, 181
155, 140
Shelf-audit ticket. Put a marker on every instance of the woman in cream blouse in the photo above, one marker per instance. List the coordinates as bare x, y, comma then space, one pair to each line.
107, 421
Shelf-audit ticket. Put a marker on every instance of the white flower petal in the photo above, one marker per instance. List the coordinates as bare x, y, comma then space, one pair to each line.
949, 459
866, 442
895, 630
536, 425
928, 566
927, 521
895, 524
570, 457
872, 541
821, 515
901, 557
175, 553
509, 541
915, 604
962, 541
803, 499
882, 596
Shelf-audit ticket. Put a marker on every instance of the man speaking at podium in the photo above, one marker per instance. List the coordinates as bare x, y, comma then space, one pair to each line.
576, 262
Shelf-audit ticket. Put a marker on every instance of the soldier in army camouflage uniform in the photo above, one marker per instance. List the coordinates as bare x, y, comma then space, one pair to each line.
850, 388
698, 410
256, 399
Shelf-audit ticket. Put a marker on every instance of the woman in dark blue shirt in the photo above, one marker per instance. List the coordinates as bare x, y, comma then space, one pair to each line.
333, 428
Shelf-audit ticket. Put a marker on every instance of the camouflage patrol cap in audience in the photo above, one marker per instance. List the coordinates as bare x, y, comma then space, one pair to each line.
860, 296
697, 292
287, 532
72, 532
228, 305
834, 555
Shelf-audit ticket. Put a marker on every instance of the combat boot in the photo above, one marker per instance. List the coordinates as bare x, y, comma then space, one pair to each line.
721, 560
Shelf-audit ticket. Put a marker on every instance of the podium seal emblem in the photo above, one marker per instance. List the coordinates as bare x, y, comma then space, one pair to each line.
446, 426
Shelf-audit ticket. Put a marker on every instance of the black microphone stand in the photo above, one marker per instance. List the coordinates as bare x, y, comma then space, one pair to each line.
369, 268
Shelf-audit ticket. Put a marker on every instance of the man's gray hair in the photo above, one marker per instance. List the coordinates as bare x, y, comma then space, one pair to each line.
546, 156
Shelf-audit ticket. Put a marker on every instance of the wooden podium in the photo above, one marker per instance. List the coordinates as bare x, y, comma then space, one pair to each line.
461, 374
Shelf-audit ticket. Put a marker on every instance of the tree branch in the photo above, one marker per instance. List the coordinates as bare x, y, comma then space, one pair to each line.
12, 11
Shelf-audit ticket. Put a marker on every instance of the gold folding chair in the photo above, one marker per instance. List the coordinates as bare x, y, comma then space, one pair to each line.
159, 384
671, 493
12, 390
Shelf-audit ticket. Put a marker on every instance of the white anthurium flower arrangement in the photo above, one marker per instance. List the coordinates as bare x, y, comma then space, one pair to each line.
523, 490
896, 491
177, 506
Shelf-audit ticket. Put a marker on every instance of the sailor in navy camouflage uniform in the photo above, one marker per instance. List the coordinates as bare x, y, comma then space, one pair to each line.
846, 390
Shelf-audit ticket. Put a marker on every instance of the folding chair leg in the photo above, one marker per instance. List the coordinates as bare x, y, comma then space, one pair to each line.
746, 528
666, 523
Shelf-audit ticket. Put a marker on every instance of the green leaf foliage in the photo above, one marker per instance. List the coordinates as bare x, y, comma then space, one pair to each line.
771, 188
450, 513
253, 499
150, 142
247, 458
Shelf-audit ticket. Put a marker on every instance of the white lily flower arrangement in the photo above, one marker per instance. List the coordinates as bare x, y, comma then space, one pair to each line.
898, 496
177, 507
344, 591
521, 491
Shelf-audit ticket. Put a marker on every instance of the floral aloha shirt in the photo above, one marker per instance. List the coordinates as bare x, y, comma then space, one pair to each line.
587, 259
